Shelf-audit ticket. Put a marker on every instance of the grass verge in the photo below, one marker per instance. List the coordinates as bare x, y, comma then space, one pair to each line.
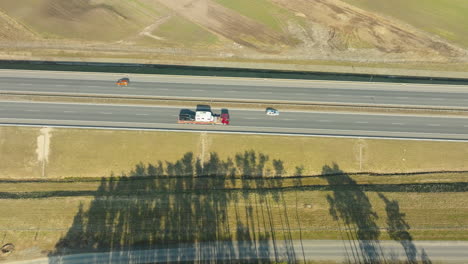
97, 153
203, 59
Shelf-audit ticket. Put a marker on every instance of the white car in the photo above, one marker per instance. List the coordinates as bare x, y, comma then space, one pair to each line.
272, 112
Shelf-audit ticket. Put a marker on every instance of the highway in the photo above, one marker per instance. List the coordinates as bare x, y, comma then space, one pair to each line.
245, 121
329, 92
281, 251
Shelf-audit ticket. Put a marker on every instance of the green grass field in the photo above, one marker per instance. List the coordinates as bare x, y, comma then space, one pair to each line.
262, 11
181, 32
107, 20
447, 19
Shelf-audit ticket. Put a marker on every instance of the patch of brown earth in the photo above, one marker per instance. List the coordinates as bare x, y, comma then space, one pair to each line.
348, 27
231, 25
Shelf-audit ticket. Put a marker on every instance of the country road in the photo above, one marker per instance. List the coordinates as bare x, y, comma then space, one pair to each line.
290, 251
329, 92
245, 121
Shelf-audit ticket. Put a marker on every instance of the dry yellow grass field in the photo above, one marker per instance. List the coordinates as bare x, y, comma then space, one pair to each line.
94, 184
58, 217
80, 153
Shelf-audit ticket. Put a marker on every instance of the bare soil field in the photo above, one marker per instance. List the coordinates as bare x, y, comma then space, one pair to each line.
208, 32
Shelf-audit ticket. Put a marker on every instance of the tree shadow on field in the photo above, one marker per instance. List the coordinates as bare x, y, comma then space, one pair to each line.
186, 211
351, 208
398, 228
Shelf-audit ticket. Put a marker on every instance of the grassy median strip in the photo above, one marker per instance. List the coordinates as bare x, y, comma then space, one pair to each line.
217, 103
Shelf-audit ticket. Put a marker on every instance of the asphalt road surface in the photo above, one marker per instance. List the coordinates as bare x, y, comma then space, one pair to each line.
450, 96
247, 121
282, 251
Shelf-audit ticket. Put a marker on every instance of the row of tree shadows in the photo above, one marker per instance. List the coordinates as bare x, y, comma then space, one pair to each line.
197, 208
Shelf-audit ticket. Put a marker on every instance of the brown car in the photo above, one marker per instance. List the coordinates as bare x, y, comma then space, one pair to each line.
123, 82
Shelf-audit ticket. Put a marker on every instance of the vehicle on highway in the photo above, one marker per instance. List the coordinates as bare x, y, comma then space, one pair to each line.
271, 112
123, 82
203, 117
